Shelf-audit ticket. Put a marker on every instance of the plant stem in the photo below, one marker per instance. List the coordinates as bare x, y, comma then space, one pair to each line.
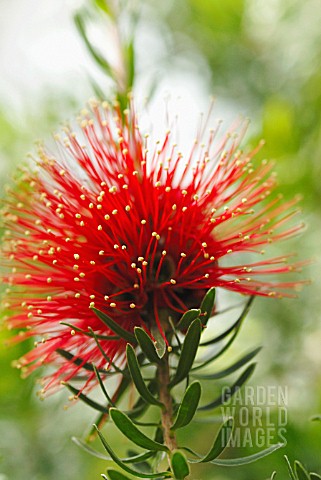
166, 398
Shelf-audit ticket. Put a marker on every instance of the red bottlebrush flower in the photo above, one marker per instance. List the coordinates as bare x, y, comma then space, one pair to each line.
139, 234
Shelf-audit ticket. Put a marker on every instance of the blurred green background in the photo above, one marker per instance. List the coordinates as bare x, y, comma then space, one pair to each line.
261, 59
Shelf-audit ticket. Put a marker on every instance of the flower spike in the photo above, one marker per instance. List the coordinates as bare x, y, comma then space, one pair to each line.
104, 232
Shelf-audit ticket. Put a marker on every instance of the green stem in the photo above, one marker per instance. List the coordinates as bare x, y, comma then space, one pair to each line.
166, 398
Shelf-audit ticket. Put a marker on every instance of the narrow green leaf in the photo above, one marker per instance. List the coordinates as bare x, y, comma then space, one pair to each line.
236, 325
217, 354
102, 386
116, 475
315, 476
129, 337
228, 393
130, 60
188, 318
179, 465
147, 345
207, 305
104, 476
233, 368
178, 347
220, 443
235, 328
189, 350
140, 457
188, 406
160, 344
90, 334
124, 465
100, 60
120, 391
85, 399
300, 471
293, 477
84, 446
143, 466
102, 4
215, 419
76, 360
137, 378
134, 459
273, 476
105, 356
127, 427
234, 462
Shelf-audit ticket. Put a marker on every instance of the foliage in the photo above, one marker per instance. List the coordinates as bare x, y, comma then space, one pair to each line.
263, 58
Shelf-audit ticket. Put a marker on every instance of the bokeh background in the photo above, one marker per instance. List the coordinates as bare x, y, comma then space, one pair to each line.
260, 59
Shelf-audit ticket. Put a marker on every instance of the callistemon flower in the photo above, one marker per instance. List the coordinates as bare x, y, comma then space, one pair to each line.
136, 231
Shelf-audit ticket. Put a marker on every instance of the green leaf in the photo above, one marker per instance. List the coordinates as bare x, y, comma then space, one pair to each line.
90, 334
147, 345
124, 465
300, 471
273, 476
314, 476
234, 328
99, 59
130, 61
143, 466
134, 459
228, 393
105, 356
188, 318
178, 347
102, 386
115, 327
137, 378
189, 350
116, 475
293, 477
85, 399
102, 5
236, 325
217, 354
220, 443
84, 446
76, 360
216, 419
235, 366
234, 462
127, 427
188, 406
120, 391
179, 465
160, 344
207, 305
